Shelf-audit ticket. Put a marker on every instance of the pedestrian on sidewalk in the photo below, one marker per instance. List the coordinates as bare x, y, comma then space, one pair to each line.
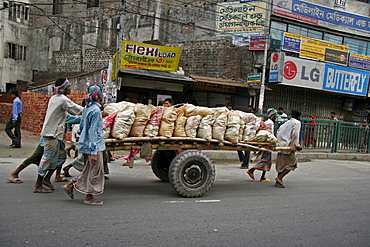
288, 136
15, 121
91, 144
53, 131
265, 163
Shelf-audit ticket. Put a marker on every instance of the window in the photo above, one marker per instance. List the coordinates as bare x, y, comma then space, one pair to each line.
17, 52
18, 12
333, 38
57, 7
314, 34
355, 45
277, 30
298, 30
92, 3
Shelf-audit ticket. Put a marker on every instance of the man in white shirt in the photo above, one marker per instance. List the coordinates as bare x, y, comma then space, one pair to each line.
288, 136
281, 116
53, 133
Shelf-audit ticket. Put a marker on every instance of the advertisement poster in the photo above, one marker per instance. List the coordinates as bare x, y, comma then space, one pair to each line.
317, 49
136, 55
241, 17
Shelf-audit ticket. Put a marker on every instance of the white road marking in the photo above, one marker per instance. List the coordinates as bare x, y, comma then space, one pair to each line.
206, 201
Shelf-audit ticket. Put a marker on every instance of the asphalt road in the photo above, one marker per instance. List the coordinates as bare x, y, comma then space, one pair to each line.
325, 203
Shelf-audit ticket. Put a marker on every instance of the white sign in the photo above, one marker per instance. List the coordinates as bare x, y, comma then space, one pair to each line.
303, 73
276, 67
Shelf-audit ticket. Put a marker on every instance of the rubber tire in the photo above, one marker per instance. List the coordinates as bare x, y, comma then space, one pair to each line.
186, 164
161, 161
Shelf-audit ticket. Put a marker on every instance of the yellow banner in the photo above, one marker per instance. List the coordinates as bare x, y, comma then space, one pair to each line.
247, 17
115, 66
316, 49
136, 55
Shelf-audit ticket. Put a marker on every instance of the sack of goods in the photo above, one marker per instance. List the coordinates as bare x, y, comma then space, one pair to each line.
186, 120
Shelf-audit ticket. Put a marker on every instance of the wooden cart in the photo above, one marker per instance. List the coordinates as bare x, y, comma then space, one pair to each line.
180, 160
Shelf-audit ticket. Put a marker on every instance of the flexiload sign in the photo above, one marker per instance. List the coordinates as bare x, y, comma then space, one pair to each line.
322, 76
136, 55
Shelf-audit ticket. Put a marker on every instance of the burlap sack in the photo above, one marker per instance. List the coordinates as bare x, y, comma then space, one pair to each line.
142, 116
152, 126
192, 124
232, 127
219, 126
168, 122
205, 127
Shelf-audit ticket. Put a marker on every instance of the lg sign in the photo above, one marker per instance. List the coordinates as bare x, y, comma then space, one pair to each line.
290, 70
307, 72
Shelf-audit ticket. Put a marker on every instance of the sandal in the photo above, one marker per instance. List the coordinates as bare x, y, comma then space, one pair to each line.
279, 181
250, 174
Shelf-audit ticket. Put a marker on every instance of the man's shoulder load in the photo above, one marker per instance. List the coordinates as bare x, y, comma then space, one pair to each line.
185, 120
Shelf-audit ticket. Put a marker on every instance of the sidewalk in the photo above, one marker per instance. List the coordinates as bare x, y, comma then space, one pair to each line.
31, 139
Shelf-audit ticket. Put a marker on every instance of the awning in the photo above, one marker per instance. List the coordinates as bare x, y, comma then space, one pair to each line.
156, 75
215, 80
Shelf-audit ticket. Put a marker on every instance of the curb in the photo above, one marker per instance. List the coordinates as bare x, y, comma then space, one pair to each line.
232, 155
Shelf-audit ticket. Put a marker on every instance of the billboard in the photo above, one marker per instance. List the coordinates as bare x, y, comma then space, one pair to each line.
322, 16
233, 18
323, 76
135, 55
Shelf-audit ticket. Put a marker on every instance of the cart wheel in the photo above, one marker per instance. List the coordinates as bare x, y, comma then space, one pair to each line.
161, 161
192, 173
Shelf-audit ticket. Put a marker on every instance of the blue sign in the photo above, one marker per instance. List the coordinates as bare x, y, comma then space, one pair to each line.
359, 62
345, 80
331, 15
291, 44
274, 76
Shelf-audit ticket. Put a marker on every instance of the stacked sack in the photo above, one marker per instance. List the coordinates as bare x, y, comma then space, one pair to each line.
186, 120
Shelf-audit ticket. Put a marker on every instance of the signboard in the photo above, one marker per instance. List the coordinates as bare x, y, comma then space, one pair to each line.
257, 43
340, 3
359, 61
241, 40
136, 55
276, 67
317, 49
345, 80
322, 16
335, 56
328, 77
291, 42
115, 65
254, 79
241, 17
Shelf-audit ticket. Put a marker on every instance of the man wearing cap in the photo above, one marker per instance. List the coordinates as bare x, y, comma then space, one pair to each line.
91, 146
53, 133
264, 164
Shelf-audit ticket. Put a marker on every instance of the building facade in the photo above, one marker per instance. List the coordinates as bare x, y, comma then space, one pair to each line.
222, 44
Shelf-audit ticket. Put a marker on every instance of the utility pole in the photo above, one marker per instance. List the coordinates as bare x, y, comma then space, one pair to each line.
267, 41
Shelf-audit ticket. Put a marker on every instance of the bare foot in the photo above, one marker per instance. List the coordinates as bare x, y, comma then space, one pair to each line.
13, 175
41, 189
48, 184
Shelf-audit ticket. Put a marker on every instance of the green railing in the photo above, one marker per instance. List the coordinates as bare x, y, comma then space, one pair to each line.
334, 136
